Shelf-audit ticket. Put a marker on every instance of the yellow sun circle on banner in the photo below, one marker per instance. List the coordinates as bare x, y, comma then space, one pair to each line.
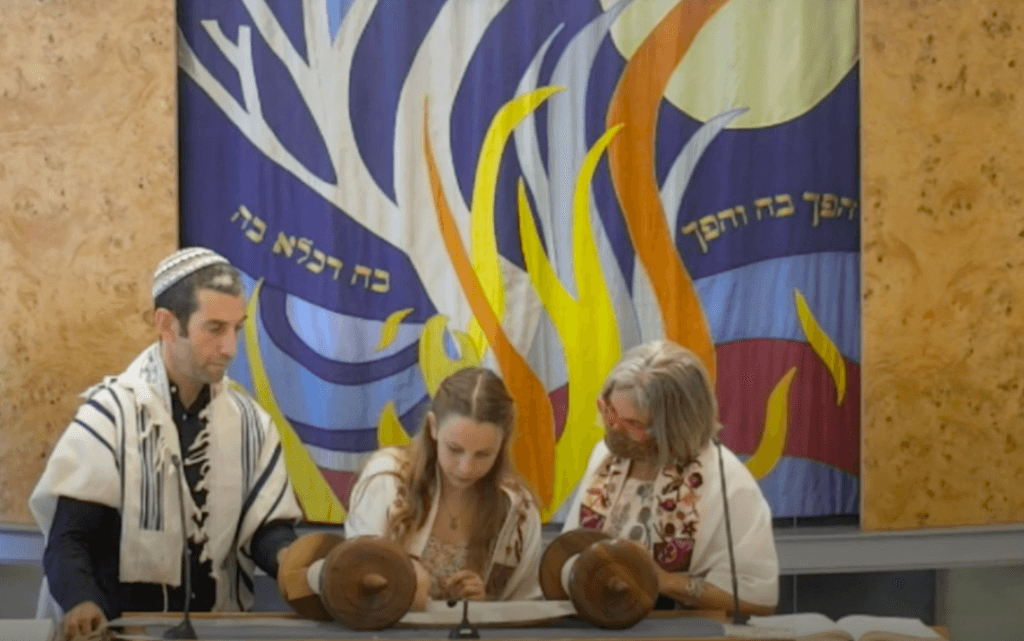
779, 58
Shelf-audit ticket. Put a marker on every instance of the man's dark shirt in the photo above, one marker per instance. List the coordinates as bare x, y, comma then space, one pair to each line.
82, 556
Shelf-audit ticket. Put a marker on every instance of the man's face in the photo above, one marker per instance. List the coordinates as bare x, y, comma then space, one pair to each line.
203, 356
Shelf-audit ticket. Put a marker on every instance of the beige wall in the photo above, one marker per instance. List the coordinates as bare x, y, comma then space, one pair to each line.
943, 262
88, 205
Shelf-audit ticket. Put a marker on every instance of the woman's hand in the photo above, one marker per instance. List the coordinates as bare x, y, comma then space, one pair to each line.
669, 582
466, 584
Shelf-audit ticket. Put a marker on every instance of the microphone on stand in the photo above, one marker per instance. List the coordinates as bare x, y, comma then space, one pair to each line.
737, 617
183, 630
464, 630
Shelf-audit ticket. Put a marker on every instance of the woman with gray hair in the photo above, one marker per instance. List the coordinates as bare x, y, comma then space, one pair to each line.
655, 479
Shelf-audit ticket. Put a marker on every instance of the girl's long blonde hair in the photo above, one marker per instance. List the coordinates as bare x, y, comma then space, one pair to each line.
478, 394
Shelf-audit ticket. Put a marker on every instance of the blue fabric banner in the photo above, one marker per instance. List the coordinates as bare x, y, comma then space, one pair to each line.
535, 185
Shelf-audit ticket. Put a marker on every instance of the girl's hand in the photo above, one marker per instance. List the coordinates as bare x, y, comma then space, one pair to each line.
422, 594
466, 584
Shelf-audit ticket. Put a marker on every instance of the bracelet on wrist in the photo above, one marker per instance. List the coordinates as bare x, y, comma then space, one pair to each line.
693, 590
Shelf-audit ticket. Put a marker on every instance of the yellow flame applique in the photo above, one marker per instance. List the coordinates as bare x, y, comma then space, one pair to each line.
822, 345
435, 365
389, 331
314, 494
389, 429
587, 327
776, 426
484, 249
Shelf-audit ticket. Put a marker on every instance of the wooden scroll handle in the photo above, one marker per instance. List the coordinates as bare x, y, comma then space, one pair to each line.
292, 574
612, 584
367, 583
557, 554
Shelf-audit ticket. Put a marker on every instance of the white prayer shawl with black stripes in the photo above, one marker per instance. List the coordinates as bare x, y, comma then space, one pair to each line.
120, 451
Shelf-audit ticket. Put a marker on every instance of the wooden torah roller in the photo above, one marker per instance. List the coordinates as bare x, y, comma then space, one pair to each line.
292, 573
611, 583
367, 583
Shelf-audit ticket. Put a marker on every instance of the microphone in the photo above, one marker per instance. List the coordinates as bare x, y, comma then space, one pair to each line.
183, 630
737, 617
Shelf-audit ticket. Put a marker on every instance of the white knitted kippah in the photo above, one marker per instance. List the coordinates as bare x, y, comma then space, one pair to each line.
182, 263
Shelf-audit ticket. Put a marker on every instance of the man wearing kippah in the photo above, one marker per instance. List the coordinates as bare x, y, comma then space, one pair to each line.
167, 438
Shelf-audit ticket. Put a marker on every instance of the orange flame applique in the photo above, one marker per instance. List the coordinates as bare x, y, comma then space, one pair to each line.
535, 440
635, 103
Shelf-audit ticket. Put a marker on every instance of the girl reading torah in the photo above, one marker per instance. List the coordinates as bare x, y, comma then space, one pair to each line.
451, 499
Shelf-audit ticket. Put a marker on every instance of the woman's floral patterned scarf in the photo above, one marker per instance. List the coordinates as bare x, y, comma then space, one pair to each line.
674, 526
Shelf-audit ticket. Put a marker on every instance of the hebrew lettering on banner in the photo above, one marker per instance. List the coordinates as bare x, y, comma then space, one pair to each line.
712, 226
414, 187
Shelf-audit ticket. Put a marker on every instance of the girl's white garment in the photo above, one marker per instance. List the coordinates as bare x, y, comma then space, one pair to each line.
515, 560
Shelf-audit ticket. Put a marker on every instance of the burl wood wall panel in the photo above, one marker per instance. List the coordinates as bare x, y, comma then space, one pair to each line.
88, 206
943, 262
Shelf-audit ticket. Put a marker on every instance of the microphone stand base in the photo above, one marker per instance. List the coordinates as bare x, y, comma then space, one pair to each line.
464, 630
183, 630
